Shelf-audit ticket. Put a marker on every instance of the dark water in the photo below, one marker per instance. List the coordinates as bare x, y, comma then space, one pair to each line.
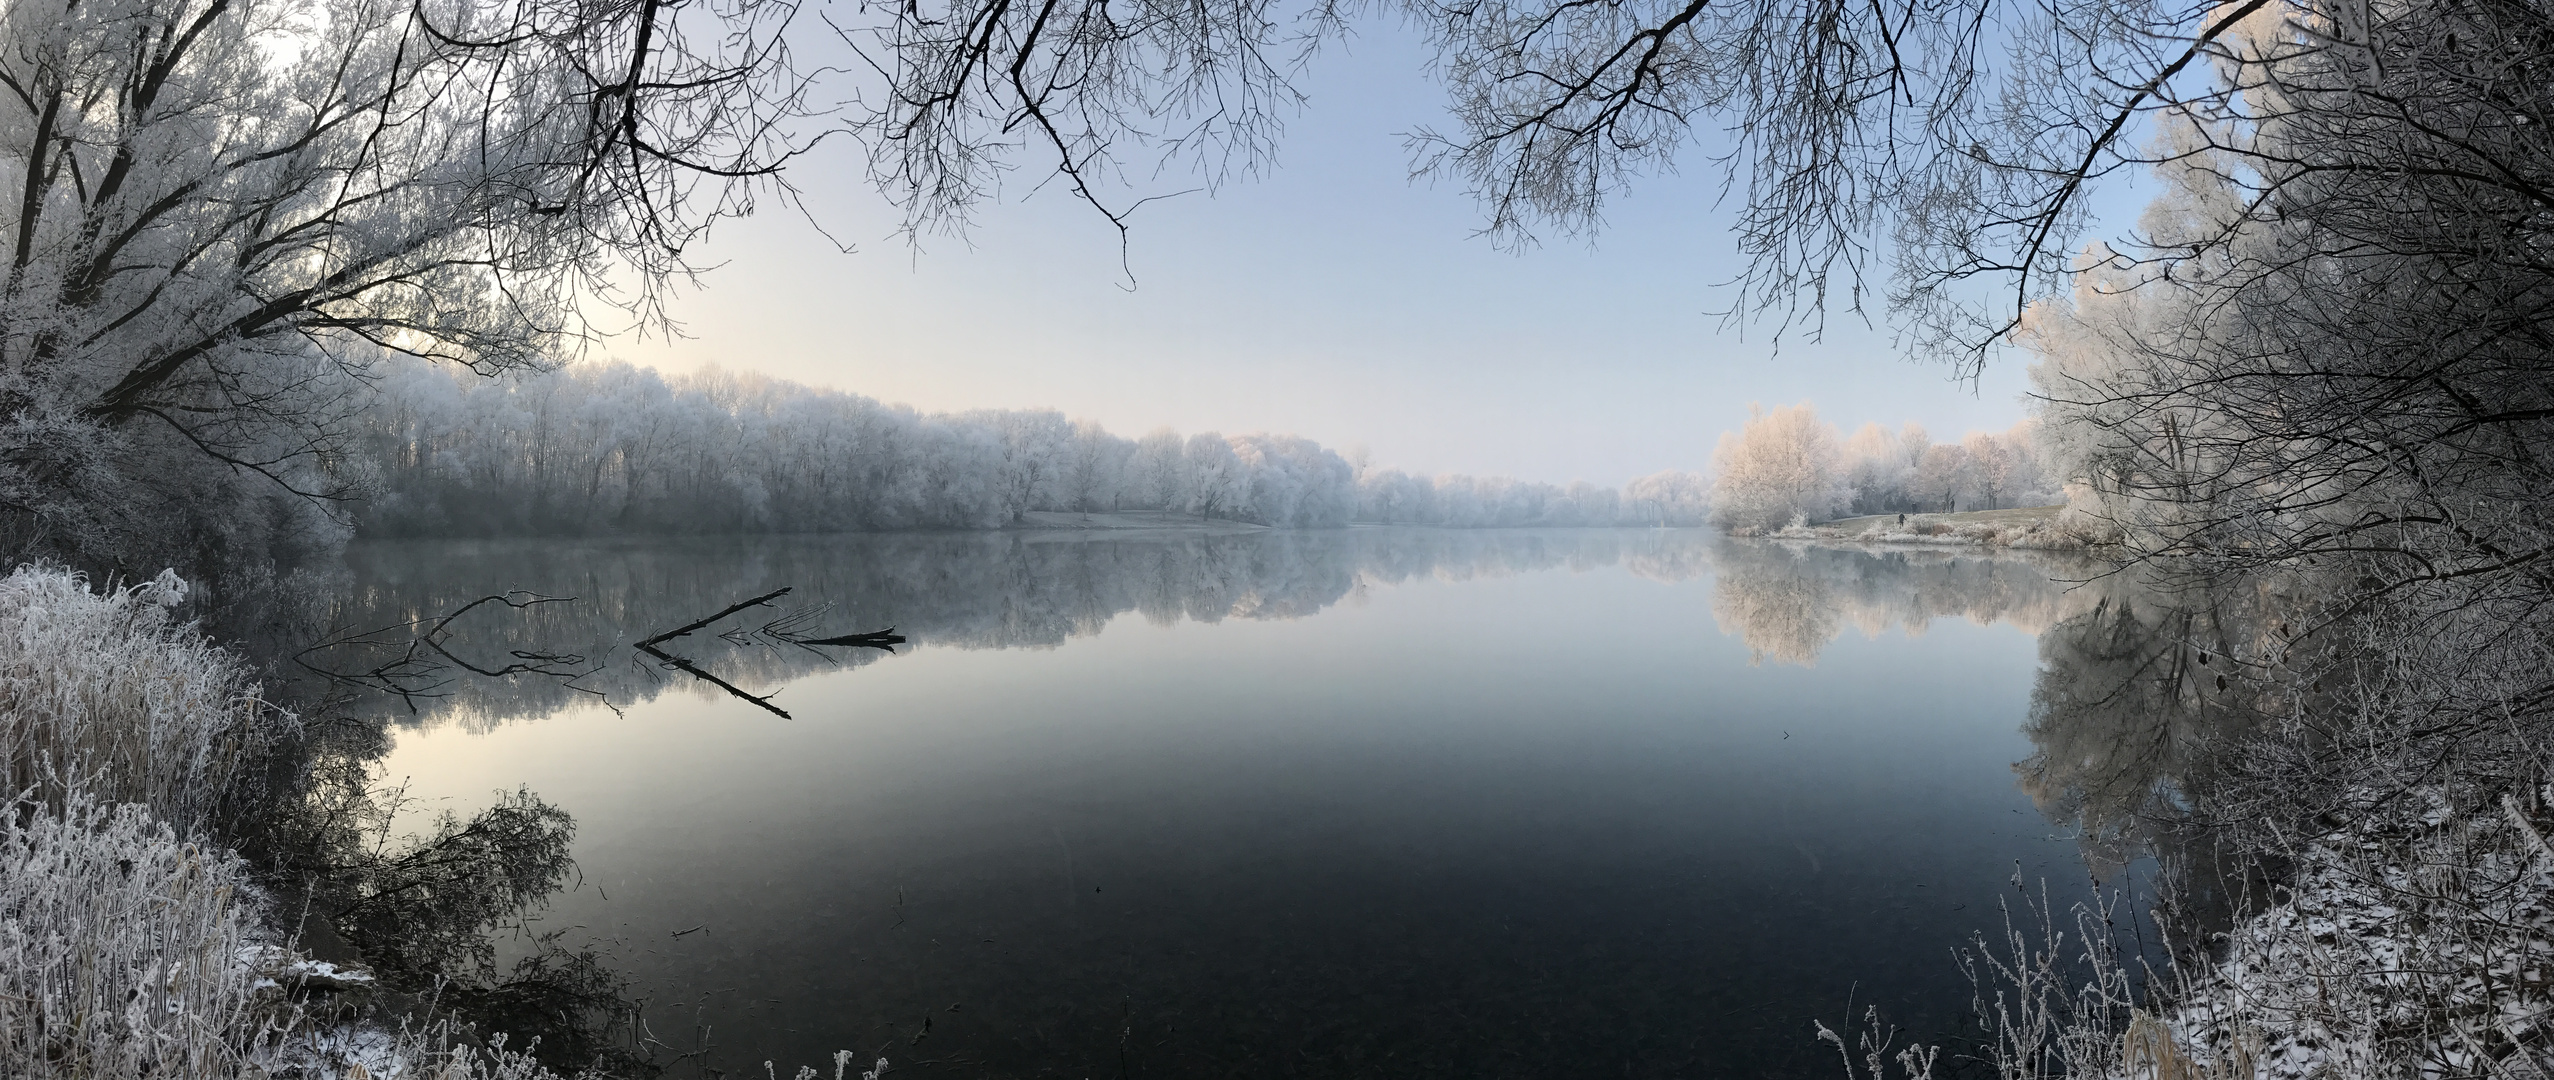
1366, 803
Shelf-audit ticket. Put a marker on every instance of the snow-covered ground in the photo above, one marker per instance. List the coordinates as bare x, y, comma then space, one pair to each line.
2417, 944
2042, 527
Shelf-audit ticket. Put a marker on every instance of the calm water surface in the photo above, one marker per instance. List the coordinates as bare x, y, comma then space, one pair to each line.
1366, 803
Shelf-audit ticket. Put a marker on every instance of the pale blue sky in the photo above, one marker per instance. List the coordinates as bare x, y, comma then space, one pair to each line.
1333, 298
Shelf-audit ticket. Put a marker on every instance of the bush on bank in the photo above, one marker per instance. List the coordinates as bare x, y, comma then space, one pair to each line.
135, 943
132, 942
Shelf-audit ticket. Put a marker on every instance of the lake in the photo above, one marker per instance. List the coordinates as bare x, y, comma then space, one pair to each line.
1367, 802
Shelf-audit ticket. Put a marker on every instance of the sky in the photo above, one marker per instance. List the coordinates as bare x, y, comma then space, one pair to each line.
1334, 297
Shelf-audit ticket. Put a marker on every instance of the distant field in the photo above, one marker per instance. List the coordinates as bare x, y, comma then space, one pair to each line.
1977, 517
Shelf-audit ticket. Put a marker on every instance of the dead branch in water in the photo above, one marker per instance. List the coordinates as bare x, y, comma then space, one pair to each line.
724, 612
886, 639
785, 629
412, 673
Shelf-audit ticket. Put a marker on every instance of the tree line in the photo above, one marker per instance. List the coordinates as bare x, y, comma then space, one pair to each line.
1784, 467
612, 448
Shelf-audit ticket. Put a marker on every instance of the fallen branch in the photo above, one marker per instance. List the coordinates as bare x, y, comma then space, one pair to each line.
886, 639
681, 664
724, 612
649, 647
412, 673
782, 630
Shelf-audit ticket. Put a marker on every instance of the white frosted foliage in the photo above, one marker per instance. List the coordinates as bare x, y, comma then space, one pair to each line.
106, 688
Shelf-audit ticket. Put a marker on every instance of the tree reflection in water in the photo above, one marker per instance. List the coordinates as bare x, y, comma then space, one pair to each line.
2136, 680
2136, 687
2137, 683
1787, 602
2142, 682
962, 590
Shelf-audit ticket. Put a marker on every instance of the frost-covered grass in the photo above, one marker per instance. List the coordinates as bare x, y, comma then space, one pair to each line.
107, 689
133, 944
124, 951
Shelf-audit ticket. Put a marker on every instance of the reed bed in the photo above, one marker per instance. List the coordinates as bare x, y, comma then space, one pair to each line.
109, 691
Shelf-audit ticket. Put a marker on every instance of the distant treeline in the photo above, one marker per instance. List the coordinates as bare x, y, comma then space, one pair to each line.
597, 449
613, 448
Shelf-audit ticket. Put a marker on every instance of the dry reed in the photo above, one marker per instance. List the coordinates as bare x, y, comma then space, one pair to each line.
108, 691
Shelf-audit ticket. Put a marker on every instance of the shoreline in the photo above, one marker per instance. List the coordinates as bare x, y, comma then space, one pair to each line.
2029, 528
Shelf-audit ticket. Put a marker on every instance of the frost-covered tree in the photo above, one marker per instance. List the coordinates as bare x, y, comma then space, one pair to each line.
1939, 478
1034, 448
2333, 339
1158, 470
2032, 478
1673, 497
1293, 480
221, 212
1904, 472
1214, 474
1393, 497
1992, 469
1783, 465
1880, 464
1096, 468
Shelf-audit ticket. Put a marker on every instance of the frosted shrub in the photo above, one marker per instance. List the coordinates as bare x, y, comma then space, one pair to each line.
121, 948
128, 952
109, 688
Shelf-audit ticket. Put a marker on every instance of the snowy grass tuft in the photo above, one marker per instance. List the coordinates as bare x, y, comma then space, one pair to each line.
132, 945
124, 950
109, 691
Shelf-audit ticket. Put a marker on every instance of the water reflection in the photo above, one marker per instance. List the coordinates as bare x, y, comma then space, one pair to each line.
1788, 602
2137, 678
2145, 683
1544, 822
1003, 590
2142, 678
2144, 686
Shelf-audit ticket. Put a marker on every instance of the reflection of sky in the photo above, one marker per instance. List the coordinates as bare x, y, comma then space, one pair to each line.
1507, 826
1335, 299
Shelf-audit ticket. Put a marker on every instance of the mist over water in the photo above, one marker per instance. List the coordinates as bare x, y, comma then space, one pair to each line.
1364, 802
